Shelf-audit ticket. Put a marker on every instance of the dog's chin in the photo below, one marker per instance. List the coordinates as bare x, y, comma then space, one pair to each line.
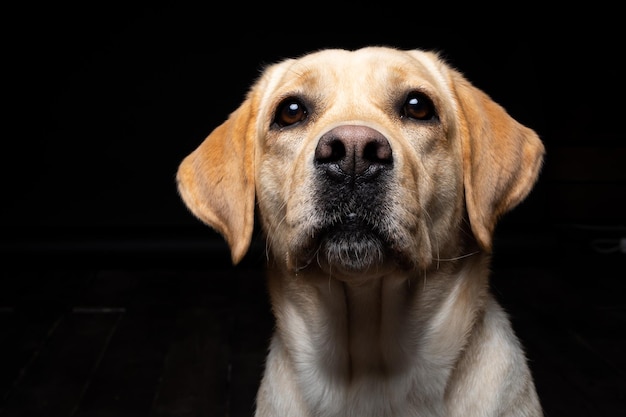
354, 252
351, 255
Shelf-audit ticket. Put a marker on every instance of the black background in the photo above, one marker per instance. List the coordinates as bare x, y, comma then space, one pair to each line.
101, 102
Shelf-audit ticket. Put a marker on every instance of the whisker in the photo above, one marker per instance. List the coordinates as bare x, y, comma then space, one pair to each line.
430, 222
458, 257
270, 234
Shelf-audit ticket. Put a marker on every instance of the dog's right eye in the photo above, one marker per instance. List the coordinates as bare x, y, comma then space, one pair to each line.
289, 112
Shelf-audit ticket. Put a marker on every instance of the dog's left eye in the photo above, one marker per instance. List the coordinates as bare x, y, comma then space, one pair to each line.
289, 112
418, 106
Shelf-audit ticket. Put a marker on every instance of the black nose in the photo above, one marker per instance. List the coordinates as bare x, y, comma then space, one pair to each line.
355, 151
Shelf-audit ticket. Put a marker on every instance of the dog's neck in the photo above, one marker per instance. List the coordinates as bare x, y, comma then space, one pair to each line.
360, 331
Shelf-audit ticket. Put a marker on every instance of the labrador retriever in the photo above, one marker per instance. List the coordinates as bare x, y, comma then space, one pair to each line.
378, 176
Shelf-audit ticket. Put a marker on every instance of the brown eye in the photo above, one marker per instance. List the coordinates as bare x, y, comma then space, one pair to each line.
418, 106
289, 112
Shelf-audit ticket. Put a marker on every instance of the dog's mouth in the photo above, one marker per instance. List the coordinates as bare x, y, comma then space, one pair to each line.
352, 244
349, 244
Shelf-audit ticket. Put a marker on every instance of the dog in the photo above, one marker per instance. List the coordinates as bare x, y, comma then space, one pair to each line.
377, 176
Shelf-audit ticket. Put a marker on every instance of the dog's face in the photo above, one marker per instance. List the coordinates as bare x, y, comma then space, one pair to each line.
361, 162
356, 170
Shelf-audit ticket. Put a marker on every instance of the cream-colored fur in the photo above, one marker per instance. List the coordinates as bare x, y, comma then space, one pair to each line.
378, 176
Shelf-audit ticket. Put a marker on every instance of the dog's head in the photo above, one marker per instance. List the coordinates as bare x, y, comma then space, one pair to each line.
361, 161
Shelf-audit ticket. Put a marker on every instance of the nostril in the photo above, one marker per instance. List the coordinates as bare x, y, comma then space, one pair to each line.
377, 151
330, 150
337, 150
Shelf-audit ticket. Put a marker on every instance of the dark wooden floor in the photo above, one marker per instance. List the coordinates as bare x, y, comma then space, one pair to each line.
151, 337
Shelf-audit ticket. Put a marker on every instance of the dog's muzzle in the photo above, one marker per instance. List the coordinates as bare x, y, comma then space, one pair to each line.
353, 169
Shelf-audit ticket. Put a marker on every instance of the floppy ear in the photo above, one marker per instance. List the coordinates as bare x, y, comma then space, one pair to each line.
216, 181
501, 159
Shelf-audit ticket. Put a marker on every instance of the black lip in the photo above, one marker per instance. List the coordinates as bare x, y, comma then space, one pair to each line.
351, 222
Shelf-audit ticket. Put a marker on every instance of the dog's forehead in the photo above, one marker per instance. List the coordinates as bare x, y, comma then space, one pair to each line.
363, 69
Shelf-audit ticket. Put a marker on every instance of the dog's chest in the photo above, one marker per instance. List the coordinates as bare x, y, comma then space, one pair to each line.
370, 398
374, 366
